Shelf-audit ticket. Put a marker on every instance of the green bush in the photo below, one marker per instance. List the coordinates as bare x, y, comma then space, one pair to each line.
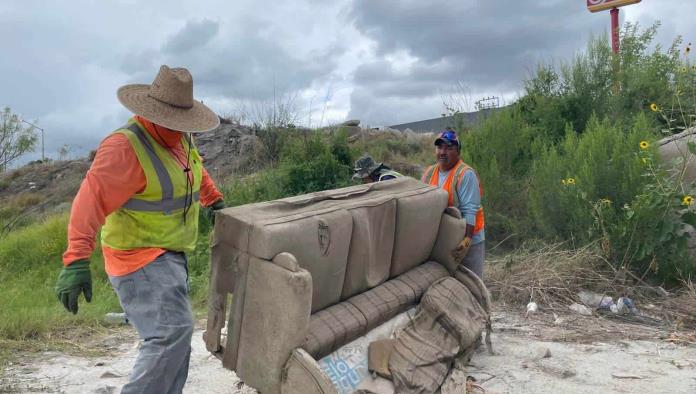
311, 163
648, 235
502, 150
596, 82
601, 163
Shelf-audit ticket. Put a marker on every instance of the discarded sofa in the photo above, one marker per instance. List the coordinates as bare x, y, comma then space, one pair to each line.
297, 278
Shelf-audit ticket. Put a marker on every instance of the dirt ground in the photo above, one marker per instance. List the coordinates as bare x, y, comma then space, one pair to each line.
545, 353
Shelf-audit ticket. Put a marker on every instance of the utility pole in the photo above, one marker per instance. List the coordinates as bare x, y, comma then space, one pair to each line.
43, 156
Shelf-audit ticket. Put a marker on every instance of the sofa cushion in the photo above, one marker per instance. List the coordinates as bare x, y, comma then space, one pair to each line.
332, 327
446, 325
371, 245
383, 302
420, 278
417, 223
320, 243
337, 325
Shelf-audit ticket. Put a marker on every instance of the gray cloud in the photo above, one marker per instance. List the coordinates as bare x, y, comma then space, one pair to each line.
385, 81
252, 68
194, 35
383, 62
62, 63
490, 46
237, 60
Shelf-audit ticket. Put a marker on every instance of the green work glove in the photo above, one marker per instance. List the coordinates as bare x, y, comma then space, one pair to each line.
217, 205
74, 279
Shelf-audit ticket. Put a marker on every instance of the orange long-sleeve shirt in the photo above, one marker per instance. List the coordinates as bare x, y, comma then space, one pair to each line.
114, 177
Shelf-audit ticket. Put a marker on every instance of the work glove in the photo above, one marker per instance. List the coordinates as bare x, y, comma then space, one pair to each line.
217, 205
74, 279
461, 250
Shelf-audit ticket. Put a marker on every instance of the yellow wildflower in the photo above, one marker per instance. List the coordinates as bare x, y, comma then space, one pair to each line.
605, 201
653, 107
644, 145
570, 181
687, 200
684, 69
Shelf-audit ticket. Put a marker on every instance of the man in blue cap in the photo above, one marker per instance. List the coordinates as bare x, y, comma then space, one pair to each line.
465, 191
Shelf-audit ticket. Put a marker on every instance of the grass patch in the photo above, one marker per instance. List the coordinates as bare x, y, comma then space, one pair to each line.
32, 317
30, 260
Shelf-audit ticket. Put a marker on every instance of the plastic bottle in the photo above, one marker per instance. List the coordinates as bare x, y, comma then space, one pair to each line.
626, 306
532, 307
116, 318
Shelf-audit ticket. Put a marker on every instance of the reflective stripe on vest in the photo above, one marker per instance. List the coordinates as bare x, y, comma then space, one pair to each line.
168, 202
432, 177
157, 216
160, 206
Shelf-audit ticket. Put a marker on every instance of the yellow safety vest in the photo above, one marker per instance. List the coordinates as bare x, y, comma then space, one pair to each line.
155, 217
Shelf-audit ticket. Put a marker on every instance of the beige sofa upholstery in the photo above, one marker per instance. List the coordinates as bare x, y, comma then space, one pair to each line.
308, 274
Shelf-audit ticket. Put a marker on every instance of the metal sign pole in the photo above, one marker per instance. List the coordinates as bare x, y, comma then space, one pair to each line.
615, 30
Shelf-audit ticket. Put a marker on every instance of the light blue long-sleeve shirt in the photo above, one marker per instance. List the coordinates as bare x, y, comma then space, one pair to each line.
469, 199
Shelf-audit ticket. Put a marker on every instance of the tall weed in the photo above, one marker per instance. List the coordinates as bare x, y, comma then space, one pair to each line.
600, 164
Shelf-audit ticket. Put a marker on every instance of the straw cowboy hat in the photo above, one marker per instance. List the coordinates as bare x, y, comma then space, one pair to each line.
169, 102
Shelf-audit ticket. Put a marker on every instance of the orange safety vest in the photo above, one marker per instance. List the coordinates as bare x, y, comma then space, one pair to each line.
432, 176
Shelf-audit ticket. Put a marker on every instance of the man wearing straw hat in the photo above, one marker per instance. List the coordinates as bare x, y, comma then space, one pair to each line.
145, 187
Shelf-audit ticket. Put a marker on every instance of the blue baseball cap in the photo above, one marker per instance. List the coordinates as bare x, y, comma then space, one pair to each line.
447, 137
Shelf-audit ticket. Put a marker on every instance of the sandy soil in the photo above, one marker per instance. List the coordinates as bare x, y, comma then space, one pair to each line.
581, 355
542, 354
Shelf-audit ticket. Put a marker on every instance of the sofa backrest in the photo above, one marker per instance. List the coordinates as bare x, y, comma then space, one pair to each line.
349, 239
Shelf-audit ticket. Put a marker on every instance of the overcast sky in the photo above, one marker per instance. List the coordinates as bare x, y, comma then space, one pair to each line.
383, 62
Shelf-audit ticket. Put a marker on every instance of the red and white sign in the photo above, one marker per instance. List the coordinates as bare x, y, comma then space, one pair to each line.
601, 5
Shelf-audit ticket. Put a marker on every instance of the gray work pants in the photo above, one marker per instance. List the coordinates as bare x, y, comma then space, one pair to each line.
155, 300
475, 258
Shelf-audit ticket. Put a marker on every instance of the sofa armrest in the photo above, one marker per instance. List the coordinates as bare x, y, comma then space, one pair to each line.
454, 212
303, 375
274, 320
451, 232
